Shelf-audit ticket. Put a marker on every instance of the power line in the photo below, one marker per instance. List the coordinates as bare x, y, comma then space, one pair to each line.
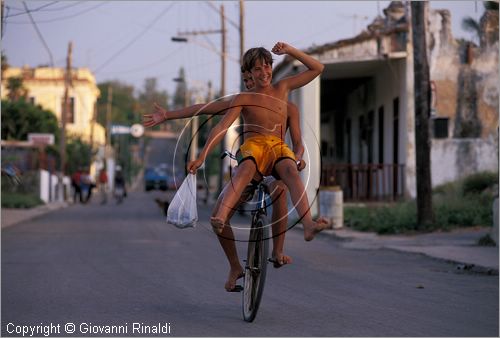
32, 10
39, 34
149, 65
134, 39
60, 18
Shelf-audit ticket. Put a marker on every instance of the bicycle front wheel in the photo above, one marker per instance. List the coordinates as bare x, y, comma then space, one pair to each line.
255, 268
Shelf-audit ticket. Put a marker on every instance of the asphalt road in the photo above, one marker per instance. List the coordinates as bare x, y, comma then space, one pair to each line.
97, 266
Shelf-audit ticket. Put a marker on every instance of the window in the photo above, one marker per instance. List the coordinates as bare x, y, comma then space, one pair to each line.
441, 127
381, 134
32, 100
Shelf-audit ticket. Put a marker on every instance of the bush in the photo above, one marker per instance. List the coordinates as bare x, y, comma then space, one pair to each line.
477, 183
391, 219
18, 200
462, 203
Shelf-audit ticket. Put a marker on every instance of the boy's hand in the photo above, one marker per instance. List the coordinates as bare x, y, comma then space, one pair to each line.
301, 164
159, 116
281, 48
194, 165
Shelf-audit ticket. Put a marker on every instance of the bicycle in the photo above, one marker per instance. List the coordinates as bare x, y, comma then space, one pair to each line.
257, 253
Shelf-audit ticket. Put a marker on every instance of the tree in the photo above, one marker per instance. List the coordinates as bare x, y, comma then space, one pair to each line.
78, 154
124, 104
470, 24
20, 118
16, 88
150, 95
425, 215
179, 99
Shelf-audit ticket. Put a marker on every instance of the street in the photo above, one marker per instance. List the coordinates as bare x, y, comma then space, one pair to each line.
102, 265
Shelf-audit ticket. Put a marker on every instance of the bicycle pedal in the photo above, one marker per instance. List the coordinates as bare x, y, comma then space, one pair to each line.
237, 288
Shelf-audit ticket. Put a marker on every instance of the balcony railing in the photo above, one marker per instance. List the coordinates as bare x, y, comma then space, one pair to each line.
366, 182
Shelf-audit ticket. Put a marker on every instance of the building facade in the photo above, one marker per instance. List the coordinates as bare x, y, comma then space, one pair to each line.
45, 87
357, 119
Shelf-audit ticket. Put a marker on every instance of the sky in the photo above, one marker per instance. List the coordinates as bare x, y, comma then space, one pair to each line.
130, 41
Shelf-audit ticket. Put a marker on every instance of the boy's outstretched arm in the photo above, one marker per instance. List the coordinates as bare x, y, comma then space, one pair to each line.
216, 135
314, 66
160, 114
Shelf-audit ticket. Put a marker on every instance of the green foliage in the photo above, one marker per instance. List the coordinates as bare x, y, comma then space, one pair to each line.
20, 118
19, 200
22, 195
390, 219
462, 203
479, 182
78, 154
124, 104
150, 95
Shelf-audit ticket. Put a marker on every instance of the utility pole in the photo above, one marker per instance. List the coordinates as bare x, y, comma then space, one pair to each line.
108, 152
108, 116
64, 117
223, 55
242, 40
425, 214
2, 9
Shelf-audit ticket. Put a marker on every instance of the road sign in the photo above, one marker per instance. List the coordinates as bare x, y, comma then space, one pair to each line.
137, 130
41, 138
118, 129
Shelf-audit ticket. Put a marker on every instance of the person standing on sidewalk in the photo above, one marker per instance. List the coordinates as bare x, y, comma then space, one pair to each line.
103, 185
75, 182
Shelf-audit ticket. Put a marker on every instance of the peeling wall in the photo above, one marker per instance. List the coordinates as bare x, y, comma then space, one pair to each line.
456, 158
465, 77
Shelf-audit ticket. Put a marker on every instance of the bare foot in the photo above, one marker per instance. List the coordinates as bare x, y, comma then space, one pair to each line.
280, 259
234, 275
319, 225
217, 225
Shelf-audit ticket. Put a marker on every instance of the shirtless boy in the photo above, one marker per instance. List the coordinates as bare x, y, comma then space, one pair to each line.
264, 153
277, 188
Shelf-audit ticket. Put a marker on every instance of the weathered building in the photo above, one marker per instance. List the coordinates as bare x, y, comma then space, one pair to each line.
45, 86
357, 119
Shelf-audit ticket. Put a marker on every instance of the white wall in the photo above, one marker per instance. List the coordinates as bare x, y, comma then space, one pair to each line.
307, 100
456, 158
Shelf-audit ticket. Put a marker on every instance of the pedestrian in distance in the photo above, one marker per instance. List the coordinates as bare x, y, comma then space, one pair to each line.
103, 185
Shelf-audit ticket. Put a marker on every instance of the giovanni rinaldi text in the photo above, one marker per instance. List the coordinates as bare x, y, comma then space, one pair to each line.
46, 330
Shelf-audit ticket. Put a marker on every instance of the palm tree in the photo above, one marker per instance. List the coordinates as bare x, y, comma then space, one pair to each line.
469, 24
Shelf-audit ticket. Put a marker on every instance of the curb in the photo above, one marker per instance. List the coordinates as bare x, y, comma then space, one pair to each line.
12, 217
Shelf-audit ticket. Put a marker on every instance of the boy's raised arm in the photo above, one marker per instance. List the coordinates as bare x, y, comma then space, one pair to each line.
314, 66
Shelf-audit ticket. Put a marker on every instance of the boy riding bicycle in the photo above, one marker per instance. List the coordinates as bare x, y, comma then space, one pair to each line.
263, 153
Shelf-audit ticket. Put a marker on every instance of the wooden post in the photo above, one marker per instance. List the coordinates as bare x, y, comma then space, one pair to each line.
64, 118
425, 214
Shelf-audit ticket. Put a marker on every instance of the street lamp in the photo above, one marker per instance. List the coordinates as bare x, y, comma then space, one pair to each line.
178, 39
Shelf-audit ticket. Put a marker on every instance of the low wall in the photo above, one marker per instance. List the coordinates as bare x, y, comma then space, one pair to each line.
452, 159
48, 187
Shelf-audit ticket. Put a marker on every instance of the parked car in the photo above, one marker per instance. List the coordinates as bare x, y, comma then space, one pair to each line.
155, 179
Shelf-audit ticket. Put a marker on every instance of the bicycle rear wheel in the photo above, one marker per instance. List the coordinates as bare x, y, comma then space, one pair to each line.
256, 266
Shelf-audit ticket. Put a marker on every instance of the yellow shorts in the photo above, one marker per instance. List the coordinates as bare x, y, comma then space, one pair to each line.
265, 152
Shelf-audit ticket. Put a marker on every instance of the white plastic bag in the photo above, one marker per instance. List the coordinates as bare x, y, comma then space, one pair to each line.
182, 211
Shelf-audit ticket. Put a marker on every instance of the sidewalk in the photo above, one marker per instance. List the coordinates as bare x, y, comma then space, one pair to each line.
457, 246
14, 216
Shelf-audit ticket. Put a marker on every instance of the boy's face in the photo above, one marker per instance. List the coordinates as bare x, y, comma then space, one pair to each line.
262, 73
248, 80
